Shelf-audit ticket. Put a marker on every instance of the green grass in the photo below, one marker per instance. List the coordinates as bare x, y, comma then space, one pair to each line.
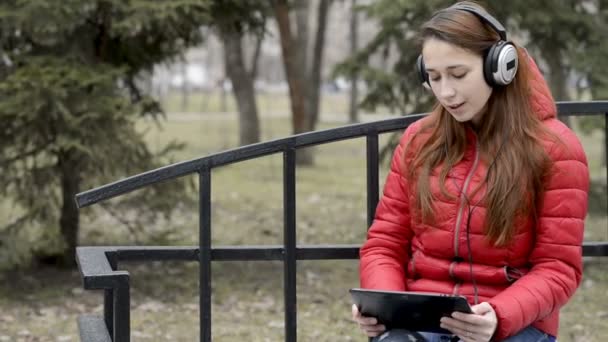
247, 210
268, 103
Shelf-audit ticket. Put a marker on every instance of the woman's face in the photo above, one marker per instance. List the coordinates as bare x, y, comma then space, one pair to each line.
456, 78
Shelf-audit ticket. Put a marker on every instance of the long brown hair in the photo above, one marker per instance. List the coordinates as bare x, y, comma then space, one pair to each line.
509, 136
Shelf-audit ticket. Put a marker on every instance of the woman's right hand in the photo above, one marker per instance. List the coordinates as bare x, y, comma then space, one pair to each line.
369, 325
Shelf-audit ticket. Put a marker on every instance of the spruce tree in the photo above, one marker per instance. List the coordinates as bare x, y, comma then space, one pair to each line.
70, 97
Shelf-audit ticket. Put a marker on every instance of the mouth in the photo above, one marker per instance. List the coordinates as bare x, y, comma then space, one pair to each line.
456, 106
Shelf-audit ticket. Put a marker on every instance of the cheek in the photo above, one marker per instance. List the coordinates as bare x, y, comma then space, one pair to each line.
477, 89
485, 92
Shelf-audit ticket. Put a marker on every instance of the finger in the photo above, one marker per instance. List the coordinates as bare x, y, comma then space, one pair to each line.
452, 324
374, 330
367, 321
474, 319
359, 318
355, 311
482, 308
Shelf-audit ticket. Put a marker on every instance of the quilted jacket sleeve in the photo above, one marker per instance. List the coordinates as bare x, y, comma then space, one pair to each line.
385, 252
556, 258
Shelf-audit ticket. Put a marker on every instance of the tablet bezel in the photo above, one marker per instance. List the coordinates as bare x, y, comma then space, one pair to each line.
395, 309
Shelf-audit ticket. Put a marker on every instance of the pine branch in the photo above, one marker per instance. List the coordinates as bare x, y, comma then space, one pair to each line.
17, 223
6, 162
132, 228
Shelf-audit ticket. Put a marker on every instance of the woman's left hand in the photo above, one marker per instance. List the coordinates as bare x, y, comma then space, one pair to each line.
478, 326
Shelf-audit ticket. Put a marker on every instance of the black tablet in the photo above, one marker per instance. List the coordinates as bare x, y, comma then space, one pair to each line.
414, 311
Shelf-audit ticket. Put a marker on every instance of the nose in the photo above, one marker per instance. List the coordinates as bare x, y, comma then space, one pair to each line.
446, 89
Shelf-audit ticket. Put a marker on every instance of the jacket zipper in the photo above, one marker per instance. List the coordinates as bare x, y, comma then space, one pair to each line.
462, 199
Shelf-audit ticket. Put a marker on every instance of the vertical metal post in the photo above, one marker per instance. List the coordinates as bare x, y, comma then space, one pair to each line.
372, 176
108, 310
108, 302
122, 310
289, 236
204, 188
606, 159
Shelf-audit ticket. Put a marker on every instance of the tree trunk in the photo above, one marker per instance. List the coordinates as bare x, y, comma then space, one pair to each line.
70, 217
314, 89
302, 11
253, 69
294, 76
353, 113
242, 87
69, 222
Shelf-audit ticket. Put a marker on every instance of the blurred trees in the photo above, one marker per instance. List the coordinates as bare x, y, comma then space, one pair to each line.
302, 61
302, 71
353, 110
70, 93
232, 32
566, 38
69, 102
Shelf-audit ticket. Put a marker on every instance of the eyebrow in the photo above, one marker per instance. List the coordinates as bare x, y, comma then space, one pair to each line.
450, 67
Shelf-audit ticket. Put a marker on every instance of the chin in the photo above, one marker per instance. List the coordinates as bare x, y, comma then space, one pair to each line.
461, 118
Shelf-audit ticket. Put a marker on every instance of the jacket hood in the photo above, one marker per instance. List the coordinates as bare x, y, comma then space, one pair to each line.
541, 99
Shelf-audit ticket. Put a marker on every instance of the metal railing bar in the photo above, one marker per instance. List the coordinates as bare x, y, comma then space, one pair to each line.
122, 310
146, 253
606, 157
372, 176
595, 248
181, 169
256, 253
289, 237
204, 236
108, 298
108, 310
574, 108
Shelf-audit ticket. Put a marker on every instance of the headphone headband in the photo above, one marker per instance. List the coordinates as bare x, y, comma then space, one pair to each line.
484, 16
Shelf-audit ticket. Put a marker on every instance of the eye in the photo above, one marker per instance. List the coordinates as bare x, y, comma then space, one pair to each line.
459, 76
435, 79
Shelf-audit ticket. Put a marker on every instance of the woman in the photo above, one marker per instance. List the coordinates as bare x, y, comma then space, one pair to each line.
486, 197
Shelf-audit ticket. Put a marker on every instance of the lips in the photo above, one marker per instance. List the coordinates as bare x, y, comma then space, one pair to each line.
456, 106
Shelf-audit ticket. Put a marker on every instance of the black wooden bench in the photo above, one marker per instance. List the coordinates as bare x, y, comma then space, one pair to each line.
99, 265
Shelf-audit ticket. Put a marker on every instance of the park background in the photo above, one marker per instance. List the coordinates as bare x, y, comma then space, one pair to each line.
95, 91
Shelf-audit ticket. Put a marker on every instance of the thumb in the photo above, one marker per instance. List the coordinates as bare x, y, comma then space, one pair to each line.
355, 311
482, 308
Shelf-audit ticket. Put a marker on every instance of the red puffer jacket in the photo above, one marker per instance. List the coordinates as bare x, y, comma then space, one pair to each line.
526, 282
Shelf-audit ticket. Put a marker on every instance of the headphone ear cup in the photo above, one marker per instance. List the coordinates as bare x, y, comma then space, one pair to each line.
507, 63
422, 74
500, 64
489, 62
